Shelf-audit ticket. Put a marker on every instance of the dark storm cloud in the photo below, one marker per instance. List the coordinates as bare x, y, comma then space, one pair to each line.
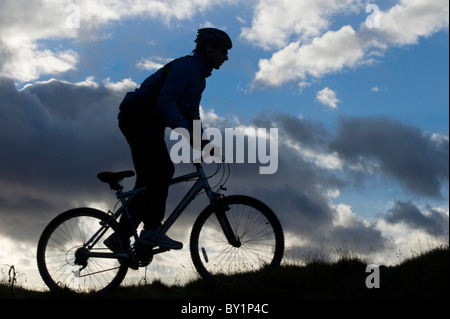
296, 194
404, 152
306, 131
5, 55
359, 238
298, 191
433, 222
56, 136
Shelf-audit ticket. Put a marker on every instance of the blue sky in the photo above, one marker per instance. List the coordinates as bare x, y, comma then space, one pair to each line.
362, 112
408, 82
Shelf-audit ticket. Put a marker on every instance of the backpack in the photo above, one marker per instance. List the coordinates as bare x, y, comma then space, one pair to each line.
143, 102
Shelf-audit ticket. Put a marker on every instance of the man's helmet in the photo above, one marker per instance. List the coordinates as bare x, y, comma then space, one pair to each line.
215, 36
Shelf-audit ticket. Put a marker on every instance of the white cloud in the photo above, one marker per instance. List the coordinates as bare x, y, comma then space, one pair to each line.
344, 215
124, 85
298, 29
326, 54
304, 60
99, 12
319, 159
23, 23
154, 63
409, 20
276, 21
27, 61
240, 19
327, 97
149, 65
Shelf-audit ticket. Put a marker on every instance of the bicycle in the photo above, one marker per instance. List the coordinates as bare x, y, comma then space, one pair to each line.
232, 235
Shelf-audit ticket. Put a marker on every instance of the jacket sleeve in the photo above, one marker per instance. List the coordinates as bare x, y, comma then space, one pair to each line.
174, 85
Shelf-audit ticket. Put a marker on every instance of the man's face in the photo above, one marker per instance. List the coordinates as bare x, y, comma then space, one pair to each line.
216, 56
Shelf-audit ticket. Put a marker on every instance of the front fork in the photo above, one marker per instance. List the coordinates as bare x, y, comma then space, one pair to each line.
220, 209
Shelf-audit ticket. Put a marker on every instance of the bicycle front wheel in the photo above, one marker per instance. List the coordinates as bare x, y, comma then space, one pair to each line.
64, 261
255, 226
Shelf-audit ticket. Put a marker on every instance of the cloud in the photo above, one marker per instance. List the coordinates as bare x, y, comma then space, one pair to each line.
55, 136
353, 233
303, 192
414, 158
327, 97
26, 27
323, 52
299, 30
22, 23
151, 65
326, 54
24, 60
433, 221
305, 138
409, 20
276, 22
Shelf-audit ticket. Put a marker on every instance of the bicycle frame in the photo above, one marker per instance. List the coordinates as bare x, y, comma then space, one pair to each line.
200, 184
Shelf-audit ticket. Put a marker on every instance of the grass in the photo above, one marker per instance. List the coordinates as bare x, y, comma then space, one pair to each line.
424, 275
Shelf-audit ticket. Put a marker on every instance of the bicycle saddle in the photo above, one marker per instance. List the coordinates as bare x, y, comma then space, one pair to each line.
110, 178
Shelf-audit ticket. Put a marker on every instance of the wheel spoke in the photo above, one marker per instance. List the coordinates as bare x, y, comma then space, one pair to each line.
256, 227
58, 263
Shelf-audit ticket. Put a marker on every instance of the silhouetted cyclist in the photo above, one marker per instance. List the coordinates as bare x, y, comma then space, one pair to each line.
168, 98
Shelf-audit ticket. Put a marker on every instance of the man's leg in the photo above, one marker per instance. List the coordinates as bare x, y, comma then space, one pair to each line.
156, 173
158, 181
153, 167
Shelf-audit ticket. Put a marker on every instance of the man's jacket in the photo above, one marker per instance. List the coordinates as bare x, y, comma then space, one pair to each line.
172, 94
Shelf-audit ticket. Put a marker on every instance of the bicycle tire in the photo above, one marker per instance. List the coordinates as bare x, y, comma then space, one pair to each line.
56, 249
255, 225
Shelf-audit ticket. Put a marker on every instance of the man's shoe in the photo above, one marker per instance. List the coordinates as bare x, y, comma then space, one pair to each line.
113, 244
156, 238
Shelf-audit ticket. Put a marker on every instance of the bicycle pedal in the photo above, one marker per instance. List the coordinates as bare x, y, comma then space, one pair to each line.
142, 245
133, 265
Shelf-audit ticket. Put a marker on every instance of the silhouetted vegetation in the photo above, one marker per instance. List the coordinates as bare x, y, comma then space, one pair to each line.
424, 275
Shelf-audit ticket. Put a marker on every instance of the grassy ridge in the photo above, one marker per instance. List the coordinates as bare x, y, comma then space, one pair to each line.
422, 276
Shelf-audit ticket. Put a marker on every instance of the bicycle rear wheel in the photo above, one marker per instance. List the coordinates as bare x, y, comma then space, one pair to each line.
255, 226
62, 259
